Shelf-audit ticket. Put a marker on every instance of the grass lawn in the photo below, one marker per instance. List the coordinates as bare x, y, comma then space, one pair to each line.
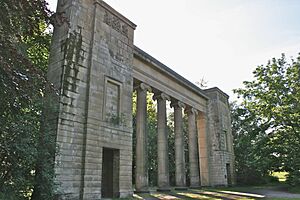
295, 190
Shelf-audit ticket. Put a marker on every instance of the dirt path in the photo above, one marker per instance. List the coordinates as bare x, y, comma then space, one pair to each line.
277, 192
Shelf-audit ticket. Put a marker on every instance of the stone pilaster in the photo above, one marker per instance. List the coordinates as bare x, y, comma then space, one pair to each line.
162, 142
193, 158
141, 173
203, 149
179, 145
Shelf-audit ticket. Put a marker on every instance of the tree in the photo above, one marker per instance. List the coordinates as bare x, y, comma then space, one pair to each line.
24, 49
272, 99
250, 146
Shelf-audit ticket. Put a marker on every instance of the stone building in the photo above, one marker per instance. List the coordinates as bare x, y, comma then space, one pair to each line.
96, 67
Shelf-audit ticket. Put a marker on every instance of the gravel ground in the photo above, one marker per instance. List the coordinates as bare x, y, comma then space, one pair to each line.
277, 192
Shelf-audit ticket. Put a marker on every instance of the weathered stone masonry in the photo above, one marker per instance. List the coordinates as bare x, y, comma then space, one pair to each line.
96, 67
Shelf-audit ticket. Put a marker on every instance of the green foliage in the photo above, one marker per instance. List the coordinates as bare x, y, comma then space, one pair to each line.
267, 123
171, 148
151, 128
281, 176
22, 37
293, 178
295, 189
18, 150
152, 140
37, 47
250, 146
117, 120
24, 145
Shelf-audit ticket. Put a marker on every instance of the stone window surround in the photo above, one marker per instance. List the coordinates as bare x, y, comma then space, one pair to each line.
119, 84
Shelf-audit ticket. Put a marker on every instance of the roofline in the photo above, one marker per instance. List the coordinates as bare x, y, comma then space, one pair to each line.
116, 13
217, 89
162, 67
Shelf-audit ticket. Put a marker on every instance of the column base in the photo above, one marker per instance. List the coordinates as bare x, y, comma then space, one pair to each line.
195, 187
181, 188
163, 189
142, 192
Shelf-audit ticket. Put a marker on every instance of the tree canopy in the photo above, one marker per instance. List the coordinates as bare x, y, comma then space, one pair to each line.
267, 123
24, 50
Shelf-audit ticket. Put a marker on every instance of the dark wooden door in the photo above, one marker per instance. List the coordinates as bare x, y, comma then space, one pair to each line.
107, 174
228, 174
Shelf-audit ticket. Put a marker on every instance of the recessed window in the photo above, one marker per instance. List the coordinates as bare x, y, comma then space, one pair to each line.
112, 100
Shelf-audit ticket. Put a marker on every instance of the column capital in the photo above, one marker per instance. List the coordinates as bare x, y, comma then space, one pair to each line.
162, 96
191, 110
143, 87
177, 104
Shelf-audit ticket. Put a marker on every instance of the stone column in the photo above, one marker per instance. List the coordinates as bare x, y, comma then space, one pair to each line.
141, 171
162, 143
179, 146
193, 159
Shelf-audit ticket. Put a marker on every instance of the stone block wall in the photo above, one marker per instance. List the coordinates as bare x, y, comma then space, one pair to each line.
91, 66
221, 156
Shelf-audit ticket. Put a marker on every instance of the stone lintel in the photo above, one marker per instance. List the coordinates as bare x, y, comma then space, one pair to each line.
139, 53
162, 82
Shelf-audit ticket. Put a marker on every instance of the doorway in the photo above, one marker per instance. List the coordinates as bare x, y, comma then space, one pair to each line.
110, 173
229, 183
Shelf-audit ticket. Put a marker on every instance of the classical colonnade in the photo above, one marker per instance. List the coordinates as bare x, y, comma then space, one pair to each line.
141, 176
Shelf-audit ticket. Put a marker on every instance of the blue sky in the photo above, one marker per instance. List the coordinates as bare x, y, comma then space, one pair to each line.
221, 41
